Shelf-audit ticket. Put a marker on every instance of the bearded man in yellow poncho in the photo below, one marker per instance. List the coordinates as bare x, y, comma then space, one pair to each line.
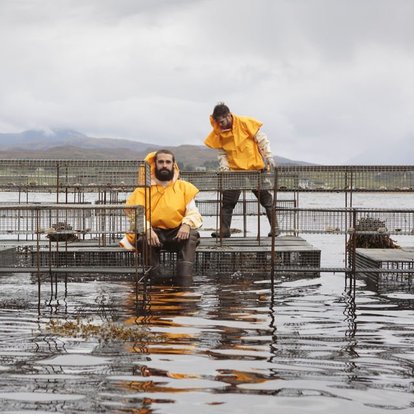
173, 219
242, 146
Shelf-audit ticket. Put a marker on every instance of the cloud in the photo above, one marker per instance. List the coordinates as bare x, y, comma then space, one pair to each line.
329, 79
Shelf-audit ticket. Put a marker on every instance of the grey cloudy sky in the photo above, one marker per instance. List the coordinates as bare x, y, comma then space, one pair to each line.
330, 79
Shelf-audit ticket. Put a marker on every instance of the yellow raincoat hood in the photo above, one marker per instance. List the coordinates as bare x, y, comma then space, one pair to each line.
238, 142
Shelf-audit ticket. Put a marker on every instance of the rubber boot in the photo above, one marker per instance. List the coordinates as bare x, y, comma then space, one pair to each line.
275, 230
184, 269
230, 198
184, 275
225, 223
224, 228
155, 272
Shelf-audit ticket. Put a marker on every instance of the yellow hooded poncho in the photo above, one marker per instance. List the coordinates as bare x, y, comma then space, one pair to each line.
166, 207
238, 142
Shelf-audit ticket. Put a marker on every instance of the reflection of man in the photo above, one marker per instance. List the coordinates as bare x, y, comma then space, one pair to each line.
242, 146
171, 214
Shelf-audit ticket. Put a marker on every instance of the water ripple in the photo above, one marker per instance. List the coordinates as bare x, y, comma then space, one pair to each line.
228, 344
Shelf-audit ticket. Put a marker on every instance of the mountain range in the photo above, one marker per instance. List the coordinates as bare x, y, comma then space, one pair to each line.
70, 144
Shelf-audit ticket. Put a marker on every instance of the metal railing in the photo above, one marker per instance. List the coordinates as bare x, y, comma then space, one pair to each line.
86, 237
25, 226
93, 175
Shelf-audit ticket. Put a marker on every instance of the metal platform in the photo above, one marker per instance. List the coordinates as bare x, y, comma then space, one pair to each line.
248, 255
386, 265
74, 176
245, 255
80, 230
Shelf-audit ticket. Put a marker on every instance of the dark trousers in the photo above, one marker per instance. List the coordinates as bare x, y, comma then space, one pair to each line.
184, 248
230, 199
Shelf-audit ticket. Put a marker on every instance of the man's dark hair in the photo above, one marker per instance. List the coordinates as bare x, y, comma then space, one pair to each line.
164, 151
220, 110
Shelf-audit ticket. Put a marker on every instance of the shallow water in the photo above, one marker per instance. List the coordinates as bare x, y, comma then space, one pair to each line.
228, 344
225, 344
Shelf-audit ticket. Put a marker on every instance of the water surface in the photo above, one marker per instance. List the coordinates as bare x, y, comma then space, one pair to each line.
224, 344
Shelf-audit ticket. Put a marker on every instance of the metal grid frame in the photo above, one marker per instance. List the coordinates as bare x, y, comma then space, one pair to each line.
98, 224
344, 220
89, 175
314, 178
382, 269
87, 236
56, 237
113, 177
244, 207
358, 178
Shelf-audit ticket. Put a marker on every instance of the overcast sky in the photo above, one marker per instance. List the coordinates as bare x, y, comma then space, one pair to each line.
330, 79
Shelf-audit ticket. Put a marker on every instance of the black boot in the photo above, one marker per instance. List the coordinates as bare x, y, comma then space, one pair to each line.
230, 198
187, 256
266, 200
184, 269
225, 234
184, 276
155, 272
274, 231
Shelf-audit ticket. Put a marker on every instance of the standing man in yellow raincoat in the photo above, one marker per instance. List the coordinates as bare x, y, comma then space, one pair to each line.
242, 146
173, 219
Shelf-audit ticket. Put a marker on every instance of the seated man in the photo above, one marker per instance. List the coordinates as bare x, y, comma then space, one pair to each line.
172, 216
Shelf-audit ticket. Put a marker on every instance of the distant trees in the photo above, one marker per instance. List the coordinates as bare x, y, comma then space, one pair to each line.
208, 165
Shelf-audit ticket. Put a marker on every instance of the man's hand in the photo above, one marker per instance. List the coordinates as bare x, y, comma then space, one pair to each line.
153, 239
270, 163
183, 232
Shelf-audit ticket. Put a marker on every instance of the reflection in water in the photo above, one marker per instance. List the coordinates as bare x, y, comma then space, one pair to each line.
228, 343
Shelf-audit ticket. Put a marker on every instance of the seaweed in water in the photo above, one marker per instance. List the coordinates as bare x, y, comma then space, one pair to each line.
107, 331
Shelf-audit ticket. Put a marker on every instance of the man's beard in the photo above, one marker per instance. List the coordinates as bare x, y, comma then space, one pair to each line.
163, 174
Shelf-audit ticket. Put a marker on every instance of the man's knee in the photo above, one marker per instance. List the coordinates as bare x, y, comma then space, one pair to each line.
265, 198
188, 248
230, 198
194, 237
